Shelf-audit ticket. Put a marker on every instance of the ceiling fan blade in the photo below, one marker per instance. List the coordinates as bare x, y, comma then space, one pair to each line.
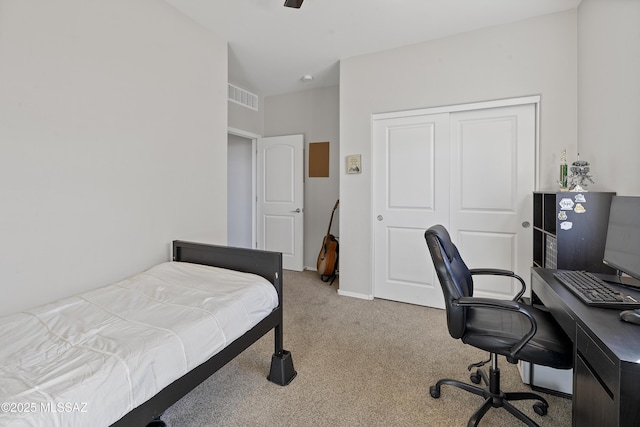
293, 3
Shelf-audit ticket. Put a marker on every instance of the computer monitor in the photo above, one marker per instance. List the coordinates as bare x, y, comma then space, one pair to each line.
622, 248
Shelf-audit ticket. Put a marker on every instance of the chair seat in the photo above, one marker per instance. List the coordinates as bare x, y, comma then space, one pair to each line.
498, 331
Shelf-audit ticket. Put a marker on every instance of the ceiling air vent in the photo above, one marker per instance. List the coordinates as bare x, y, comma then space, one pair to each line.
242, 97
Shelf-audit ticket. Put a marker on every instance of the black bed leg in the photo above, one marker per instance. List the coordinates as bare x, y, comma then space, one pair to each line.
282, 371
157, 422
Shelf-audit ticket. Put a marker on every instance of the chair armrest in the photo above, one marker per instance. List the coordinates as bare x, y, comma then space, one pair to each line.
488, 303
501, 272
508, 305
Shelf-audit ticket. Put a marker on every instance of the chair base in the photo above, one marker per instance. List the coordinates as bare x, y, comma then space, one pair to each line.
494, 397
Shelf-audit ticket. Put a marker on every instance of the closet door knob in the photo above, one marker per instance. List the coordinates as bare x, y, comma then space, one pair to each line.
526, 224
380, 217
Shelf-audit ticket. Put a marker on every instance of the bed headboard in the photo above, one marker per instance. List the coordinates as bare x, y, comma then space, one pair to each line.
263, 263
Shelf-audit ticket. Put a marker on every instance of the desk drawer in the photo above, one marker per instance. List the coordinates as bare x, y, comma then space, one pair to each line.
606, 369
593, 406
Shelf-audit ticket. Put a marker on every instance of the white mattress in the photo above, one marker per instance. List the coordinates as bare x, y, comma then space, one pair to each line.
89, 359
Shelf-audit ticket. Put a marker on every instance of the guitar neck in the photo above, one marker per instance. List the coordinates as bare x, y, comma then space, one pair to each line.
331, 220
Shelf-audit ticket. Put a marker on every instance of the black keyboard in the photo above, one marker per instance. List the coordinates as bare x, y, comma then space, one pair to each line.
594, 291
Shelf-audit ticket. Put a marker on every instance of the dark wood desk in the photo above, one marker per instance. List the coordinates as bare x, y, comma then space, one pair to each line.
606, 378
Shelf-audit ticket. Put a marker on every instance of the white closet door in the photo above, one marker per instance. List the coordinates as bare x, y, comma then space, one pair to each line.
410, 182
492, 180
471, 171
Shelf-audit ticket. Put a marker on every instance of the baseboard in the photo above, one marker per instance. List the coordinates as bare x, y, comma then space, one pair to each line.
354, 295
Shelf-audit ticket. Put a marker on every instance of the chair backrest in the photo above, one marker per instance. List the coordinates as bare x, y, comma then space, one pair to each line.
453, 274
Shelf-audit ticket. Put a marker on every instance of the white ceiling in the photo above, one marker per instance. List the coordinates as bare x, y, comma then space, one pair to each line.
271, 46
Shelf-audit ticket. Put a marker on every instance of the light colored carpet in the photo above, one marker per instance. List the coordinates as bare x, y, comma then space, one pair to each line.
359, 363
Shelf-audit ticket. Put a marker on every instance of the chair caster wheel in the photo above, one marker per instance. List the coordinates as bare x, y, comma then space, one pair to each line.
434, 391
475, 378
540, 408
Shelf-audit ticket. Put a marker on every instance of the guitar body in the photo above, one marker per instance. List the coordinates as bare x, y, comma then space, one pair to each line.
328, 256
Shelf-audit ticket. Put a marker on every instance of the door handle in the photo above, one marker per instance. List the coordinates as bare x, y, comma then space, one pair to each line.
526, 224
297, 210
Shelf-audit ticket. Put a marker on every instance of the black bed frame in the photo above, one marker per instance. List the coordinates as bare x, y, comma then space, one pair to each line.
262, 263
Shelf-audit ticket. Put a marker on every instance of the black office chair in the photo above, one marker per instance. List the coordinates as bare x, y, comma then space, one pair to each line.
501, 327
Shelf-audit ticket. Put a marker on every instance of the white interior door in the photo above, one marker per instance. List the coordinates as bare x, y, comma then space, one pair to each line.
411, 182
280, 193
472, 171
492, 180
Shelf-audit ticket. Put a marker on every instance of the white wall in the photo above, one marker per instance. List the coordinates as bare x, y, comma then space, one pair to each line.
533, 57
246, 119
113, 133
609, 93
313, 113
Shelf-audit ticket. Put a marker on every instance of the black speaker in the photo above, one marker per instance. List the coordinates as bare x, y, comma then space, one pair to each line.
293, 3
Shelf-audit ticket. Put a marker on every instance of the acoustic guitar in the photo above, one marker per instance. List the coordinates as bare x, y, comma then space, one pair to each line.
328, 256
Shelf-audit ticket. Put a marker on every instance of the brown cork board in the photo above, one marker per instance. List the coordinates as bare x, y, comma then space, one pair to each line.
318, 159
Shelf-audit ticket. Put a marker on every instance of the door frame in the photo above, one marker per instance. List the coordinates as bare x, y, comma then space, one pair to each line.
254, 161
507, 102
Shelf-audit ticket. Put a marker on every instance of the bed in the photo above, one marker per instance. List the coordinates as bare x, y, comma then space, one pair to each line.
122, 354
